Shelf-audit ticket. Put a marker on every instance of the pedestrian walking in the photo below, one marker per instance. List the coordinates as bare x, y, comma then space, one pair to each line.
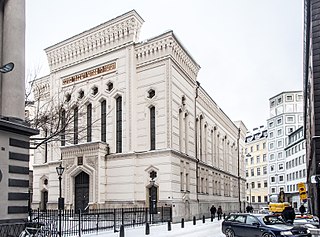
219, 212
213, 211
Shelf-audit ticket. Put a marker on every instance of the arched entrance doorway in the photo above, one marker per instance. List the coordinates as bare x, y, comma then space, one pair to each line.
81, 191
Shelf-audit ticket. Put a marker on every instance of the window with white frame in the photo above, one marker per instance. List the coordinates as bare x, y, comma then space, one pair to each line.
271, 135
281, 178
265, 170
289, 119
280, 167
289, 98
271, 157
271, 124
279, 121
272, 168
264, 157
271, 146
289, 130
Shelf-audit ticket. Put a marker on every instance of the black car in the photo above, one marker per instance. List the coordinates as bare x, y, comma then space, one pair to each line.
260, 225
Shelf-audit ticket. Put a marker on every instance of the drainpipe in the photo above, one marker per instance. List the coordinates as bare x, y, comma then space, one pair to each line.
306, 62
196, 141
238, 147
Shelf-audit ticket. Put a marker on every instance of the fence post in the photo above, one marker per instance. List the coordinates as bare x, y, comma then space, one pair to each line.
38, 216
182, 223
203, 219
169, 226
194, 220
114, 221
147, 228
162, 210
79, 223
121, 231
122, 216
146, 215
97, 223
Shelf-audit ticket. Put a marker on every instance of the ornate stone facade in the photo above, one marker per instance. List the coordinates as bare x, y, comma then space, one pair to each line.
145, 107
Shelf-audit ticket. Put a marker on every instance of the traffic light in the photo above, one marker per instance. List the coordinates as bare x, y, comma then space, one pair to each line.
302, 191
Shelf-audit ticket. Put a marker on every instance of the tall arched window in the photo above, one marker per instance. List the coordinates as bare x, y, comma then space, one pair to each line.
75, 125
152, 128
104, 121
186, 133
119, 124
63, 129
89, 122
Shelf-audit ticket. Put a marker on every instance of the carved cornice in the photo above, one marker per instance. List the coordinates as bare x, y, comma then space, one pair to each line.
119, 31
166, 45
85, 148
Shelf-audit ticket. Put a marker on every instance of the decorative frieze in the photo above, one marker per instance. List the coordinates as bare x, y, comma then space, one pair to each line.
166, 45
112, 34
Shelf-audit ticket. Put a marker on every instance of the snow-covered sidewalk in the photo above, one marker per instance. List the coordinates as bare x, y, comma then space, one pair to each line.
207, 229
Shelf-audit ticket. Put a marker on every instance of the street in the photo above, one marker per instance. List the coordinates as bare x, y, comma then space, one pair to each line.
207, 229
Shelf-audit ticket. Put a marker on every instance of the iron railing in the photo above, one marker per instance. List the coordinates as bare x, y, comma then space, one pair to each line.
95, 220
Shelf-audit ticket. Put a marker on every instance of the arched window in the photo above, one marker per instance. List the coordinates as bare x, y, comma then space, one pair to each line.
89, 122
63, 129
152, 128
104, 121
119, 124
75, 125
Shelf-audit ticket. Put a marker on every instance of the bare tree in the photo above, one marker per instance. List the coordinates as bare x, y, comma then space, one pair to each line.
54, 113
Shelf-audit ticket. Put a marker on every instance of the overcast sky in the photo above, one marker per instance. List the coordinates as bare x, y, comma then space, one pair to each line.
248, 50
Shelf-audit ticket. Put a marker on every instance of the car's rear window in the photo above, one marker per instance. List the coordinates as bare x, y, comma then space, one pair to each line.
272, 220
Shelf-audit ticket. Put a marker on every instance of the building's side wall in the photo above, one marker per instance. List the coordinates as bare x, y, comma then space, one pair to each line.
14, 176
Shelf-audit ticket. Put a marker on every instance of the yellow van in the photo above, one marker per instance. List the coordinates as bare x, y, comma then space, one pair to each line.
278, 207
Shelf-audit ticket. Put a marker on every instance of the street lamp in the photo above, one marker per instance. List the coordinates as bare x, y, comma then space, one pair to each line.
7, 67
60, 170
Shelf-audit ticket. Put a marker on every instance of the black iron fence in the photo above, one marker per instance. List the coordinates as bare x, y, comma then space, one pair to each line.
92, 221
11, 229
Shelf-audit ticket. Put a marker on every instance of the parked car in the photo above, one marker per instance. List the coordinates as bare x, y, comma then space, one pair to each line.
264, 210
260, 225
306, 220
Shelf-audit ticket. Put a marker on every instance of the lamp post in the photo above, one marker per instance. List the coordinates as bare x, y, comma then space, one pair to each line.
60, 170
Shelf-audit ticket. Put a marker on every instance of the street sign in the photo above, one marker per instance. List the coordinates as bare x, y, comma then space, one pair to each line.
315, 179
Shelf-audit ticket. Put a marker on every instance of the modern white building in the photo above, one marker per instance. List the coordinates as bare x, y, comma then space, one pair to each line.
286, 115
133, 118
295, 166
257, 167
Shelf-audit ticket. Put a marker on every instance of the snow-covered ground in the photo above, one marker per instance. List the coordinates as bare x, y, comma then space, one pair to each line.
207, 229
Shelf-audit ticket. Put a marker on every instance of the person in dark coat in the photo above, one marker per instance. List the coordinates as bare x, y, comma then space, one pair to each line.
219, 212
213, 211
288, 214
302, 209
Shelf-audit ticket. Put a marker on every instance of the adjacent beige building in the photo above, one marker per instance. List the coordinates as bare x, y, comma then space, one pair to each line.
257, 168
133, 116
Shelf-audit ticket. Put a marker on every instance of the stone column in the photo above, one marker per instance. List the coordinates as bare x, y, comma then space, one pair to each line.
13, 83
